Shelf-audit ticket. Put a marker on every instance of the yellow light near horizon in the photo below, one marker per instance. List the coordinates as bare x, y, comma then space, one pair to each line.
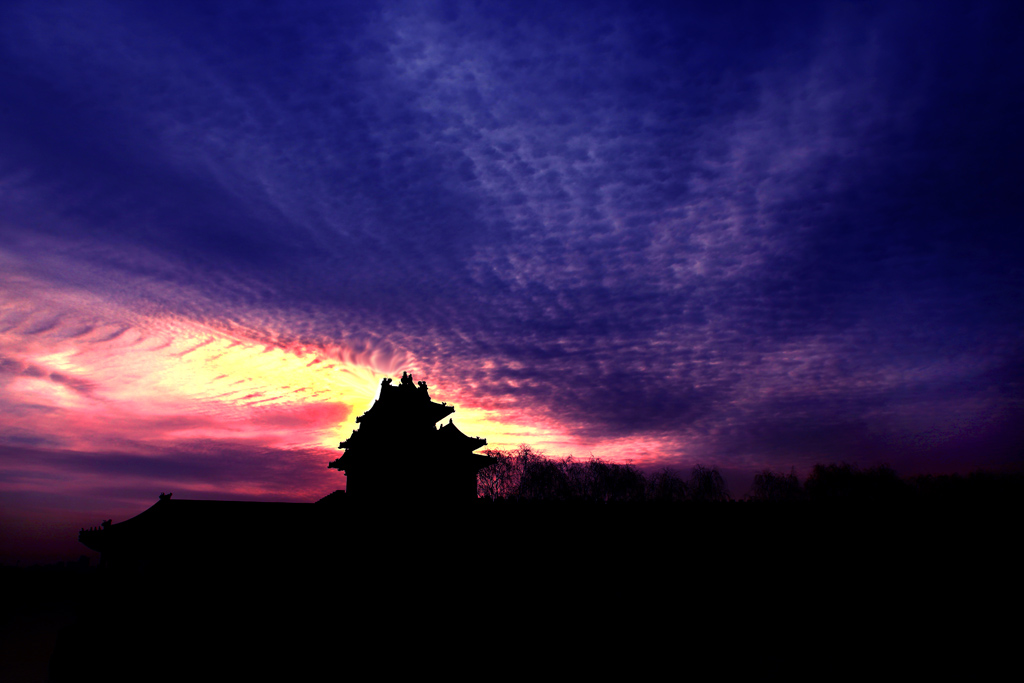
156, 374
137, 380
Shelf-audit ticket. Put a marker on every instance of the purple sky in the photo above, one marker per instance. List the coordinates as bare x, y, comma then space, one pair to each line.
751, 235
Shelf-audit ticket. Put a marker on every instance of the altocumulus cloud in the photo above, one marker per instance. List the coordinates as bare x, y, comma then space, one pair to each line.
760, 235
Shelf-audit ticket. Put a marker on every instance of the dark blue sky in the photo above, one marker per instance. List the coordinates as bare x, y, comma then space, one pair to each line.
750, 234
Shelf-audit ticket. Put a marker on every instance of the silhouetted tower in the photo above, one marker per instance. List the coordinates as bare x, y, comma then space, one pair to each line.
398, 454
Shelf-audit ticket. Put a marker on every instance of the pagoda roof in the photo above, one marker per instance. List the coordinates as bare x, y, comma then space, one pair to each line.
452, 437
398, 429
200, 517
406, 402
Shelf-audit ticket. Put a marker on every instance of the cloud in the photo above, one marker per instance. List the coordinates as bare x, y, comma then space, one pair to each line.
698, 232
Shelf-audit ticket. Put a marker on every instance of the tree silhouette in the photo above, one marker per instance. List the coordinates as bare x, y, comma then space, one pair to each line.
707, 485
526, 474
845, 483
503, 480
772, 487
665, 486
598, 481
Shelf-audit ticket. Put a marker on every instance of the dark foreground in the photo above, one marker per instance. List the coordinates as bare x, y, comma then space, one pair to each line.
548, 590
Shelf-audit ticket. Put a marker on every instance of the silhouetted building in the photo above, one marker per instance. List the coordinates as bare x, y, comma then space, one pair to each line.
207, 532
398, 454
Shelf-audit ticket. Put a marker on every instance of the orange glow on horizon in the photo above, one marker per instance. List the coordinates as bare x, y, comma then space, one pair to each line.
108, 381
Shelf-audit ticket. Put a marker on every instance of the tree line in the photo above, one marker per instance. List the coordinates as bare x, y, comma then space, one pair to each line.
525, 474
846, 483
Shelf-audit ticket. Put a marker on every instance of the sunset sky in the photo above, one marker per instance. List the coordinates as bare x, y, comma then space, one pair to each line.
749, 235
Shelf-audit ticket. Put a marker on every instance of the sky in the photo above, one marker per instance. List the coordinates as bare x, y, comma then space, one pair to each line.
748, 235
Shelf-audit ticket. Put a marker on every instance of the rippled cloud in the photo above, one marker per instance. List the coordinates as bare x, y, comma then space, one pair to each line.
755, 236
